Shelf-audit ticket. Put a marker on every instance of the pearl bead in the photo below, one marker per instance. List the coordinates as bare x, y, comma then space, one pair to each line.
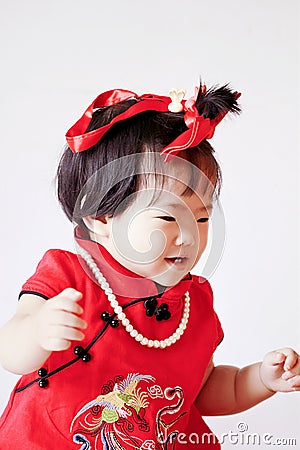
139, 337
156, 344
133, 333
129, 328
125, 322
118, 309
145, 341
121, 317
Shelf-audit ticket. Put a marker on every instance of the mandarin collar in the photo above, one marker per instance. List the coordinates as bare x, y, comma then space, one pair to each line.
123, 281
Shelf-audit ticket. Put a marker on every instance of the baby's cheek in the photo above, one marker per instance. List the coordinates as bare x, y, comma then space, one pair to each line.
139, 239
146, 240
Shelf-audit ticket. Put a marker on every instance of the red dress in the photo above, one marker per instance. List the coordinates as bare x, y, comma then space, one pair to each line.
115, 393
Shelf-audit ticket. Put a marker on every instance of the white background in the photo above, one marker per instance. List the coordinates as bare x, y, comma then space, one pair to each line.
57, 56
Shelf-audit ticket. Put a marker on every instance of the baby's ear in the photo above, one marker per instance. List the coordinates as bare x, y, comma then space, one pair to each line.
97, 225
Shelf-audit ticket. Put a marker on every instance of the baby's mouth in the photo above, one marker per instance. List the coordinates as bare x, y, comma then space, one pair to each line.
178, 260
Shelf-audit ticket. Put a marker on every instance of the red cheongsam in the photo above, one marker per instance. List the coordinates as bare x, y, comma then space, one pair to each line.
111, 392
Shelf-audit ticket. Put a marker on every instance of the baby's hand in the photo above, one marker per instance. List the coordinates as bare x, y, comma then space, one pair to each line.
280, 370
57, 322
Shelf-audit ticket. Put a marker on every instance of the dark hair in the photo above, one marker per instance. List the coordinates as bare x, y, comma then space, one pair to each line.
142, 135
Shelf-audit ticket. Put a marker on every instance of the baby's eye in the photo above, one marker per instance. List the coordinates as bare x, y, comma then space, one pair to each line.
203, 220
167, 218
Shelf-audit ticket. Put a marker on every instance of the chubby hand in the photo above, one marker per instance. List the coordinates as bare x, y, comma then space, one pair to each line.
280, 370
58, 323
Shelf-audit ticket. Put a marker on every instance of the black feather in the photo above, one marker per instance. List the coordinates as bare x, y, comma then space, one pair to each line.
215, 100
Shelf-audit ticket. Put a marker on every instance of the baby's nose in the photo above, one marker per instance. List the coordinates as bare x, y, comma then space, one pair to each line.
185, 237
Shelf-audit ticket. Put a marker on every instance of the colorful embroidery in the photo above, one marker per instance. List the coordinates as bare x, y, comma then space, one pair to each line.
148, 445
111, 421
106, 417
155, 391
167, 438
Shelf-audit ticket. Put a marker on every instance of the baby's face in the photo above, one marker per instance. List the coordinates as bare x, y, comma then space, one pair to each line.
162, 238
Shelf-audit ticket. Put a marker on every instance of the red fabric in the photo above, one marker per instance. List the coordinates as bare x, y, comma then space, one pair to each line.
77, 137
199, 128
152, 387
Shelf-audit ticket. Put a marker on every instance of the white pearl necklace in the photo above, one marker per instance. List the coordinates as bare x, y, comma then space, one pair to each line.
122, 316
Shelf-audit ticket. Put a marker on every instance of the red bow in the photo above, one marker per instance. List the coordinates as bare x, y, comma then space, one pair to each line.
199, 128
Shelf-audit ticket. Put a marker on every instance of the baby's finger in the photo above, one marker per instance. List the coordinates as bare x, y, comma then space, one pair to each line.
71, 293
67, 301
65, 304
291, 358
287, 375
68, 319
67, 333
56, 345
294, 382
274, 358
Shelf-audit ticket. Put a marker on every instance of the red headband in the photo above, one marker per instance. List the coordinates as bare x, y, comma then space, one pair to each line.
199, 127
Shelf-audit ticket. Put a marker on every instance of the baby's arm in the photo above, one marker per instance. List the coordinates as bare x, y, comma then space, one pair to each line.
230, 390
38, 328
